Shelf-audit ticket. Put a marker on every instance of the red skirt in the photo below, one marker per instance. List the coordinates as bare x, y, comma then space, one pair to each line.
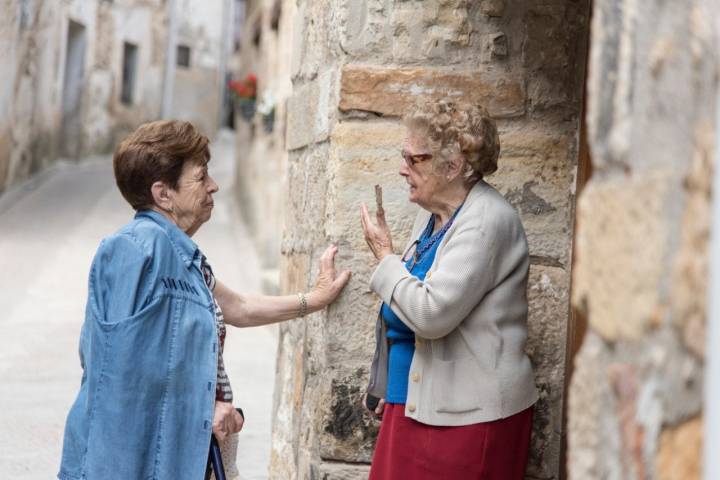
410, 450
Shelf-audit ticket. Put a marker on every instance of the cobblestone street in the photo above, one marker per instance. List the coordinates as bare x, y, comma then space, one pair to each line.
51, 227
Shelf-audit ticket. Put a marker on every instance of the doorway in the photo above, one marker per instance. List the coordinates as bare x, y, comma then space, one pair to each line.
71, 131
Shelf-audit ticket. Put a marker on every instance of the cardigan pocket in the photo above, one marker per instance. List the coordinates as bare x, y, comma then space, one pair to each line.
456, 386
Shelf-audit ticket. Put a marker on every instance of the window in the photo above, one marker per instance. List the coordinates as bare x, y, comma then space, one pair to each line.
130, 58
183, 56
275, 18
257, 35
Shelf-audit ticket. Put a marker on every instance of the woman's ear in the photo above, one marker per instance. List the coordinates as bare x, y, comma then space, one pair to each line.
161, 196
454, 167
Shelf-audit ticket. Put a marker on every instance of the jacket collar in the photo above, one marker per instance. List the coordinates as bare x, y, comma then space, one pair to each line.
185, 247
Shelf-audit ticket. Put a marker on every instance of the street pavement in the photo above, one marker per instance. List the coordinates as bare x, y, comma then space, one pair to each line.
50, 228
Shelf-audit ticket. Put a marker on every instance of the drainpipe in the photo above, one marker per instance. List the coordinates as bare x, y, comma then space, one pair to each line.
712, 367
170, 61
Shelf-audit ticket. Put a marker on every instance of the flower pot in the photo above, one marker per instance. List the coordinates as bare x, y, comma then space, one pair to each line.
246, 109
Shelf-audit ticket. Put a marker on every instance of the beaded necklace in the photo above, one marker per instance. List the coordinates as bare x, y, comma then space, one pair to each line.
432, 240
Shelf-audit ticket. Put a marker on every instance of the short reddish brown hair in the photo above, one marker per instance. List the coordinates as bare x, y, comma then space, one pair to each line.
156, 151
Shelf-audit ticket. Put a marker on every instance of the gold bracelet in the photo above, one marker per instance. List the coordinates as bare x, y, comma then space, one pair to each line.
303, 304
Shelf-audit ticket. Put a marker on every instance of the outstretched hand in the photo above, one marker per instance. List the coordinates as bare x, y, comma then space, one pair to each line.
377, 236
329, 285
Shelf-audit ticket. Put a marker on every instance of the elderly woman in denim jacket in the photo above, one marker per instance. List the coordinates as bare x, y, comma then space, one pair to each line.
154, 387
455, 384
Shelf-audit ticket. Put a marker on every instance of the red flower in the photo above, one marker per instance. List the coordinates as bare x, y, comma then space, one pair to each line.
244, 89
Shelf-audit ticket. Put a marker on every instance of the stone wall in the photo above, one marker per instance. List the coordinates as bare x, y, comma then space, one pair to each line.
635, 402
356, 67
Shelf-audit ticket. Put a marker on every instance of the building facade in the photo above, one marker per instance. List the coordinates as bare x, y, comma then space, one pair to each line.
81, 74
264, 51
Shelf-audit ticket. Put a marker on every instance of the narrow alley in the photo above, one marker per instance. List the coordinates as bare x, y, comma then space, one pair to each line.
51, 228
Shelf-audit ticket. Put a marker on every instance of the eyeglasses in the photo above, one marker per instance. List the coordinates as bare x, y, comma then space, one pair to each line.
413, 159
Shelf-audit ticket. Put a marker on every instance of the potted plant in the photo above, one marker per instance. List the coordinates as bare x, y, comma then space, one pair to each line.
244, 93
266, 108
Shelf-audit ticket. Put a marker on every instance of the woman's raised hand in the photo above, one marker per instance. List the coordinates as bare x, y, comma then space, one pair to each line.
328, 285
377, 236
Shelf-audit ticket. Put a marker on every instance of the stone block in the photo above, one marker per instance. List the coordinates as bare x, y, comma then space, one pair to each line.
348, 431
621, 261
690, 272
492, 8
551, 54
680, 452
434, 31
308, 114
494, 47
306, 201
289, 383
594, 437
536, 173
340, 471
366, 30
547, 321
547, 299
394, 91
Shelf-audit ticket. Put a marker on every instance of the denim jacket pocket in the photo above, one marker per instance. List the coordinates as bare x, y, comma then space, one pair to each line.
130, 395
152, 306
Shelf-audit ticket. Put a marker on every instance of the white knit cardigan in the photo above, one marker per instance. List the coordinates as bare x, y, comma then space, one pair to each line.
469, 317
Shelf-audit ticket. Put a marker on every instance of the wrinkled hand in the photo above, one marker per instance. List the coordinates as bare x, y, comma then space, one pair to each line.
226, 420
378, 412
377, 237
328, 285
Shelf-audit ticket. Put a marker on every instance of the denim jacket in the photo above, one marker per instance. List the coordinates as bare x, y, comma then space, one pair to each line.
148, 350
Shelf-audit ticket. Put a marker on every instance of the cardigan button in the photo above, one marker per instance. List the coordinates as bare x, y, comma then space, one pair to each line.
415, 377
411, 407
419, 342
428, 275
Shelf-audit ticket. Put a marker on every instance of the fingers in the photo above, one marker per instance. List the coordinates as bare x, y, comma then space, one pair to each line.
380, 408
364, 220
342, 279
226, 420
237, 422
219, 430
327, 260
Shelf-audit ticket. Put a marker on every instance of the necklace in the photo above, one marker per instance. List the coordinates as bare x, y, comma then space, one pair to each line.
432, 239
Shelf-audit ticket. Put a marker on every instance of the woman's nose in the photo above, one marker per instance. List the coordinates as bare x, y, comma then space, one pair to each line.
213, 187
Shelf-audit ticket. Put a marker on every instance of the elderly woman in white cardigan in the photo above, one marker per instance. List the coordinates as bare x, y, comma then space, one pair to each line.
456, 387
